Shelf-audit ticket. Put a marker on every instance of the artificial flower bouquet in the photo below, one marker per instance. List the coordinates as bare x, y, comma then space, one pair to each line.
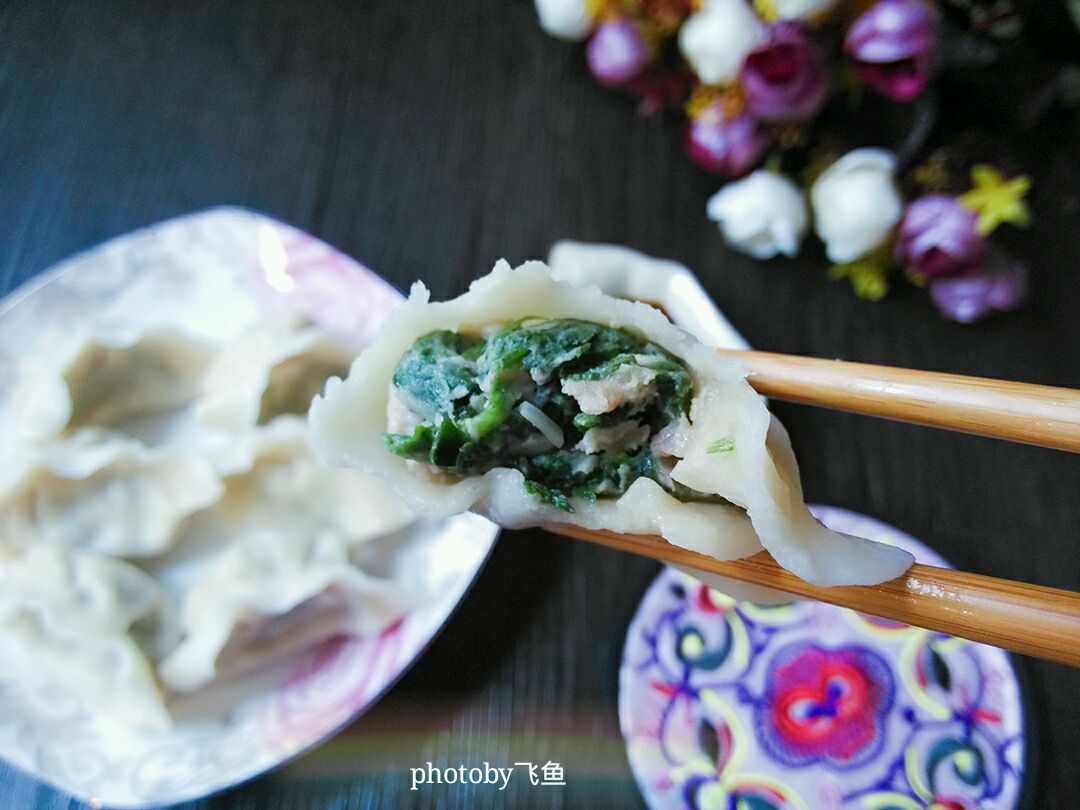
755, 81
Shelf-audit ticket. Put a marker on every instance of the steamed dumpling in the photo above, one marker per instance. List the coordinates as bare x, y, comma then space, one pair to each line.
106, 380
137, 383
91, 624
105, 491
271, 593
110, 383
290, 577
270, 372
288, 486
486, 402
175, 437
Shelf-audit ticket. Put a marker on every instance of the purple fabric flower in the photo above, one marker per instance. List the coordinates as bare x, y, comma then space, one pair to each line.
785, 78
937, 236
617, 53
893, 44
1001, 285
731, 146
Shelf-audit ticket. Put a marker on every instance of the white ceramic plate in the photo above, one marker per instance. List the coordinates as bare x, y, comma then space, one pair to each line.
211, 270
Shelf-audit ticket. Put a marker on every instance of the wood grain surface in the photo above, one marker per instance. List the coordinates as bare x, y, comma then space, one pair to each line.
429, 139
1042, 415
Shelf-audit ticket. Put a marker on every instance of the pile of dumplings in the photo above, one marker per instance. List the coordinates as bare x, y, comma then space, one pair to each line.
163, 523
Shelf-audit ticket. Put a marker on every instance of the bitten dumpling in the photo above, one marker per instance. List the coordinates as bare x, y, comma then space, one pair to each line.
537, 402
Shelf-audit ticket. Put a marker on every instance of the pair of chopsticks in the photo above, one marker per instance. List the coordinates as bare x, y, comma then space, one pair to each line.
1029, 619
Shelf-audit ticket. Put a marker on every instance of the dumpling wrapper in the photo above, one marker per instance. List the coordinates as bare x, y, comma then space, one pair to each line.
759, 477
105, 491
289, 578
113, 381
273, 593
91, 624
271, 371
130, 381
105, 380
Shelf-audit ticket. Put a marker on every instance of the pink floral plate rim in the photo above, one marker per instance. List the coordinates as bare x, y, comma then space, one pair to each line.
725, 703
52, 736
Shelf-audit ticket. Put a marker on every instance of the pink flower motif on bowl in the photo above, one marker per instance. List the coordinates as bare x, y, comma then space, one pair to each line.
826, 705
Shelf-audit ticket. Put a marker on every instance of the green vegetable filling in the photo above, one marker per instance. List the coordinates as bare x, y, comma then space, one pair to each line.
724, 445
506, 397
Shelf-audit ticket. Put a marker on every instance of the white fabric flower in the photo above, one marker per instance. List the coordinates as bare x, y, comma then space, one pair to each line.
762, 215
801, 9
565, 19
856, 204
716, 39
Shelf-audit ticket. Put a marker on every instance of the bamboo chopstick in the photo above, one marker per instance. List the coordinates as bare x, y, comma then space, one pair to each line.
1021, 412
1027, 619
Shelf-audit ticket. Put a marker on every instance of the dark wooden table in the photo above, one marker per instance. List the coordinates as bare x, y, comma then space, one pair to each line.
429, 139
